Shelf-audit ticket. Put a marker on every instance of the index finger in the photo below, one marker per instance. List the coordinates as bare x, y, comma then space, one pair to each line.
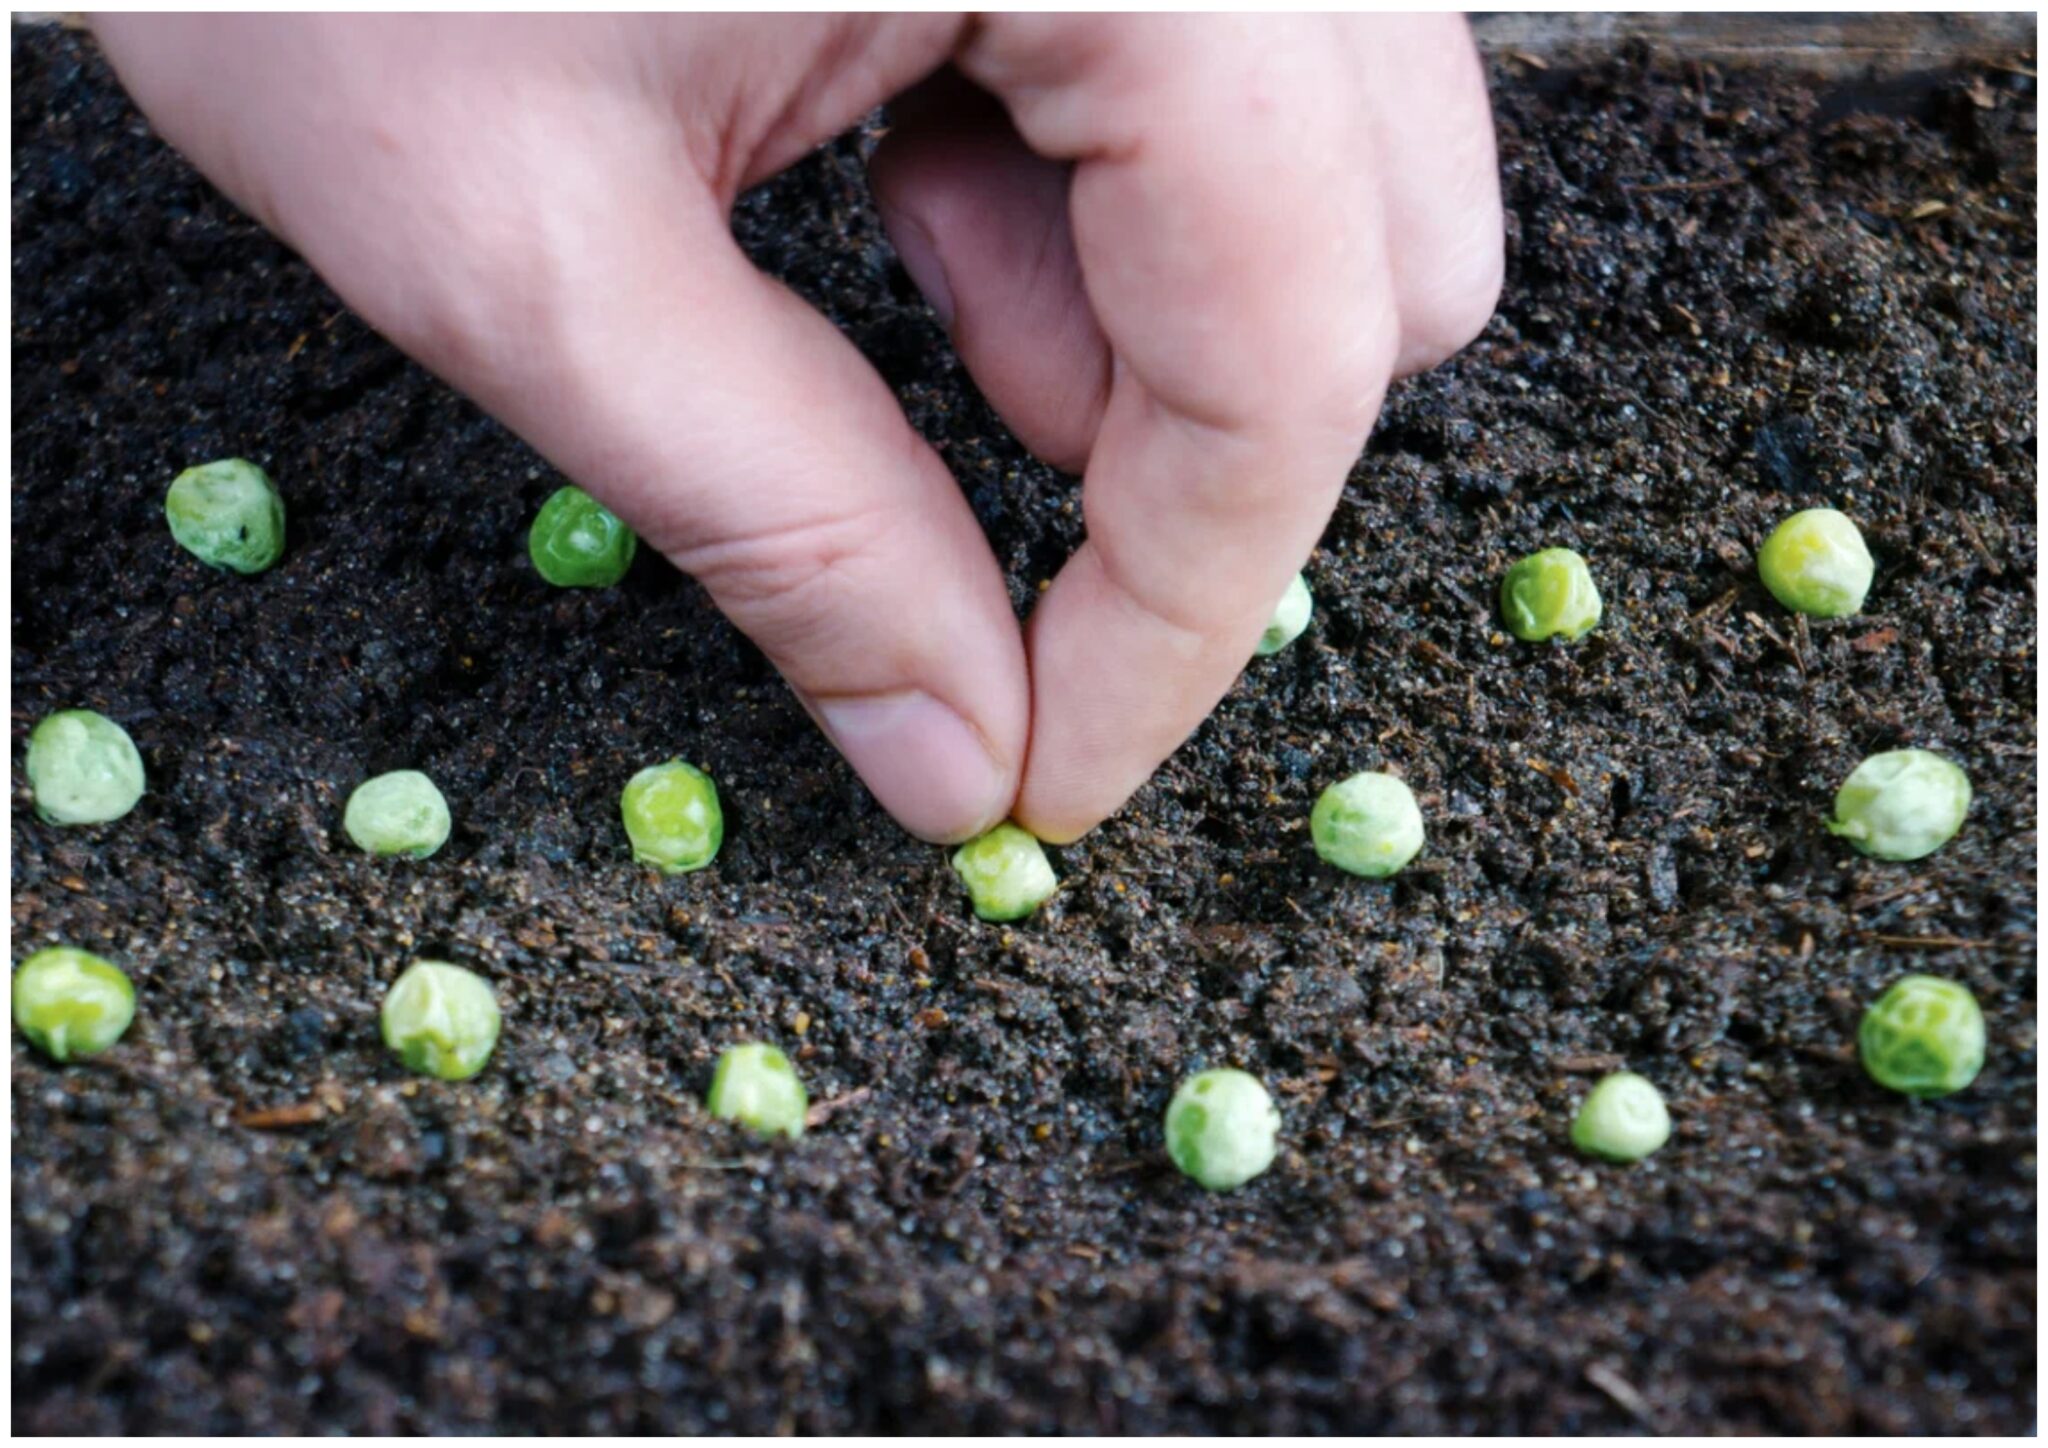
1237, 264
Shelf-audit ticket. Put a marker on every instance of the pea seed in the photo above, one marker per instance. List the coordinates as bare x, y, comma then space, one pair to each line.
755, 1085
672, 817
1006, 873
1368, 825
83, 769
1623, 1119
227, 514
1924, 1037
400, 813
576, 542
1901, 805
1815, 563
441, 1020
1290, 617
70, 1003
1222, 1129
1549, 593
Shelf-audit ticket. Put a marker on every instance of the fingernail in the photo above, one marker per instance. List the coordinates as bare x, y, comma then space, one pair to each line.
925, 763
920, 256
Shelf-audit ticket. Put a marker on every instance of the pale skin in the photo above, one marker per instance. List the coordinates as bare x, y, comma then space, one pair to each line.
1182, 256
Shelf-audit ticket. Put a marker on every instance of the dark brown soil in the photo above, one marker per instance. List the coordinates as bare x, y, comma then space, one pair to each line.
1727, 298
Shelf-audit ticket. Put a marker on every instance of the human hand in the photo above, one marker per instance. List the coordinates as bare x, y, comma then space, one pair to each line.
1183, 255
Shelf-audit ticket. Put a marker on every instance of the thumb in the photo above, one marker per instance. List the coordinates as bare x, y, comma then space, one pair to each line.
565, 267
746, 439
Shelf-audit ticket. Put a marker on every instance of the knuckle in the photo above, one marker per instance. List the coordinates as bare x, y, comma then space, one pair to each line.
1454, 303
786, 574
1474, 288
1185, 619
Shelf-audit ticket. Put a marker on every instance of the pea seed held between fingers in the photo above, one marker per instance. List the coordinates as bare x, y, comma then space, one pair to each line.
1924, 1037
400, 813
755, 1085
1901, 805
70, 1003
1368, 824
83, 768
672, 817
1290, 617
1222, 1129
1816, 563
577, 542
227, 514
441, 1020
1006, 873
1548, 594
1623, 1119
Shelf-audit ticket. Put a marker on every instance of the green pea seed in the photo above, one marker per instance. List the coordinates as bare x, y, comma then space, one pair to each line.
1368, 824
1549, 593
227, 514
1622, 1119
1815, 563
1924, 1037
83, 768
576, 542
70, 1003
1290, 617
1901, 805
400, 813
1222, 1129
756, 1086
441, 1020
1006, 873
672, 817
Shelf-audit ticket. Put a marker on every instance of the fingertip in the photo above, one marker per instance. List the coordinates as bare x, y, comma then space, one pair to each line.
931, 768
1051, 828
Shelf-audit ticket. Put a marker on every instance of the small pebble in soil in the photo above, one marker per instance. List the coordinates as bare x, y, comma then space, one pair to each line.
1815, 563
1924, 1037
400, 813
1549, 594
755, 1085
441, 1020
1902, 804
1290, 617
577, 542
1622, 1119
672, 817
1368, 824
227, 514
1006, 873
83, 769
1222, 1128
70, 1003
